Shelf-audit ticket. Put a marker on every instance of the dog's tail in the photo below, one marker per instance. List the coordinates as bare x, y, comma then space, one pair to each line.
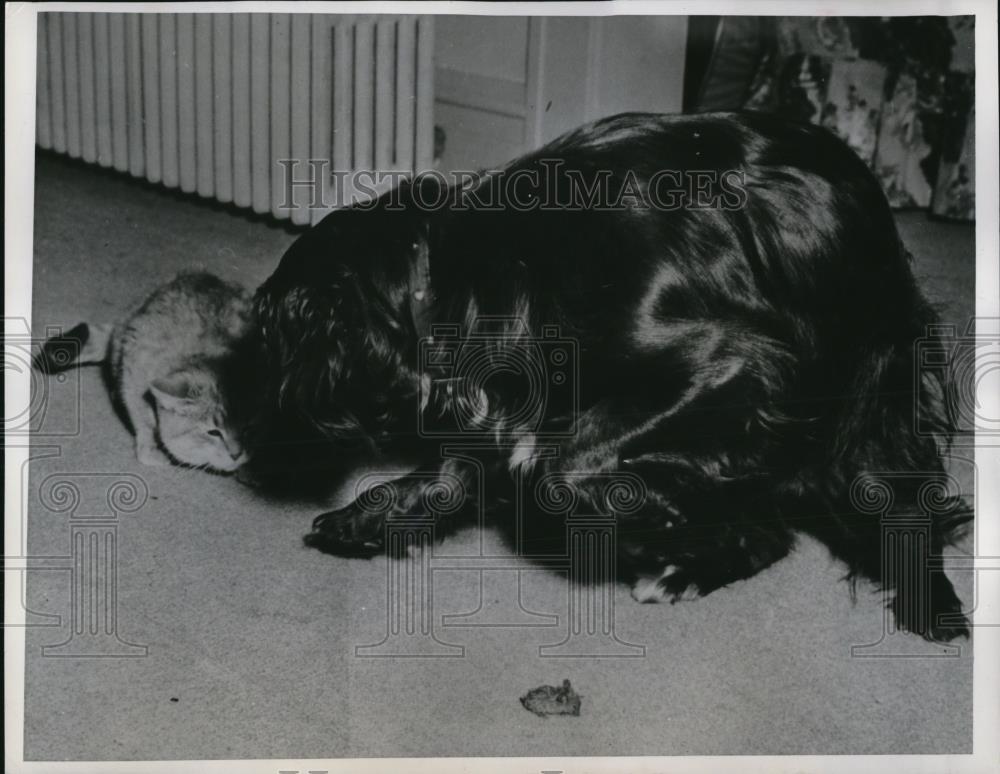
84, 344
887, 473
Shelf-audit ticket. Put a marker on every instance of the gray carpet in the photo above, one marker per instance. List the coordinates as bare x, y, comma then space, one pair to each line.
251, 637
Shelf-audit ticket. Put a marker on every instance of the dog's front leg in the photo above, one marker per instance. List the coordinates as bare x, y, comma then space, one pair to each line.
441, 490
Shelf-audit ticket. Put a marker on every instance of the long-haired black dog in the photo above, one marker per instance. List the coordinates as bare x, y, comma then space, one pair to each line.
736, 318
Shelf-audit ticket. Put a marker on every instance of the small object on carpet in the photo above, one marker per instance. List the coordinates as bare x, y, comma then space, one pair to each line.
550, 700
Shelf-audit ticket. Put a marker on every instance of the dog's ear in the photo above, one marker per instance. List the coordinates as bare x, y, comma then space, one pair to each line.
336, 325
316, 358
305, 337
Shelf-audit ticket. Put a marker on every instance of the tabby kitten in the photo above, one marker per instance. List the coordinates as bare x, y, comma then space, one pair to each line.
176, 367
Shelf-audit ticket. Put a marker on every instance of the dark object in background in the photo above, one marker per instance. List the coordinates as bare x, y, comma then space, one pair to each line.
701, 35
440, 141
722, 59
550, 700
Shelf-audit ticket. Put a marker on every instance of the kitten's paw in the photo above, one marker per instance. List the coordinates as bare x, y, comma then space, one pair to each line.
151, 455
347, 532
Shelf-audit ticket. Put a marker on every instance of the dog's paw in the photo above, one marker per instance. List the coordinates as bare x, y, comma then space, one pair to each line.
347, 532
247, 476
672, 585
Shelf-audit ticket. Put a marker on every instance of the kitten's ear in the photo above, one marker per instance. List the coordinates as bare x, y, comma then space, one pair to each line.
173, 391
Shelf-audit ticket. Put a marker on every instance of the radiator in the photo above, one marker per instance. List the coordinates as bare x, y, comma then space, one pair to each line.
241, 108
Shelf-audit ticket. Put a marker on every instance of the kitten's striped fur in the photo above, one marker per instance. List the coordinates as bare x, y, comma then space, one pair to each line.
174, 366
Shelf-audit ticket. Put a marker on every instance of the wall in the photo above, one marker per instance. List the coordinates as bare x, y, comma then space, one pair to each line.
480, 83
505, 85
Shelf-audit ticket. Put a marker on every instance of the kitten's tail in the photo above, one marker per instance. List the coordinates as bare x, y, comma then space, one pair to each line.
82, 345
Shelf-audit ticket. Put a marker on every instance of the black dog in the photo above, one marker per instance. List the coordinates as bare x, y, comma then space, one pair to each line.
733, 320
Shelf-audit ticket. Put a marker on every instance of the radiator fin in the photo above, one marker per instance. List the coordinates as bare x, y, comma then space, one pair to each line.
235, 107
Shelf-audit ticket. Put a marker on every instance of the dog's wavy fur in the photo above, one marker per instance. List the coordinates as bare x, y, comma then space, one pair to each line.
751, 364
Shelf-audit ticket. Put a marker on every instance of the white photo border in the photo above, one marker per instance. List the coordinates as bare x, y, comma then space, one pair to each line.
19, 149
